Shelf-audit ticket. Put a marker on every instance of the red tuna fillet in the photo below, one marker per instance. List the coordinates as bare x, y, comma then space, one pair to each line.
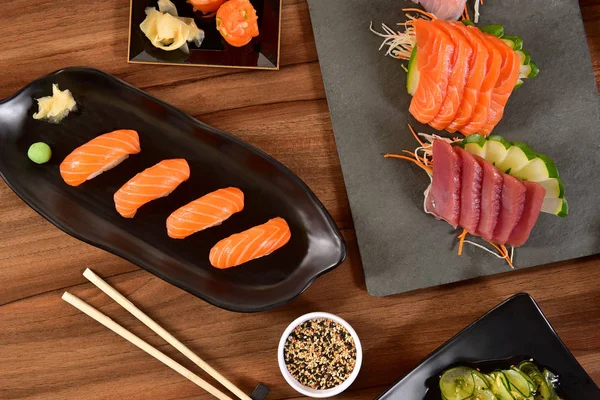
470, 200
533, 205
443, 199
491, 198
511, 209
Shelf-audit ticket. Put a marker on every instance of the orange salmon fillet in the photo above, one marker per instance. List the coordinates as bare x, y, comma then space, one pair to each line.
205, 212
254, 243
477, 71
482, 108
435, 54
509, 75
458, 76
98, 155
150, 184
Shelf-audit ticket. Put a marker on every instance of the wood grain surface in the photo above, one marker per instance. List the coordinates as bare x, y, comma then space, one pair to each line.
49, 350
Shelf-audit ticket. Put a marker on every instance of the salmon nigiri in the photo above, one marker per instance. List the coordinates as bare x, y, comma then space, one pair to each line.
150, 184
98, 155
254, 243
205, 212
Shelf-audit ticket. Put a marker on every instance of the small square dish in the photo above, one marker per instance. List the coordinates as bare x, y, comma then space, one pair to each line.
262, 52
515, 328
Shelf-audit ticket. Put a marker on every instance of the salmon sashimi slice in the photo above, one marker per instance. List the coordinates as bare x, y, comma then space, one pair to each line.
533, 205
482, 108
470, 199
458, 76
509, 75
443, 196
205, 212
254, 243
150, 184
511, 208
98, 155
491, 198
434, 61
477, 70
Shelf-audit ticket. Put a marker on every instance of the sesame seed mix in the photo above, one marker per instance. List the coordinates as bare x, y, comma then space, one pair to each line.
320, 354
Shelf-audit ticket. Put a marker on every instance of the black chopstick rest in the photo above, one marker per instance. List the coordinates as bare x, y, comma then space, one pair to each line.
260, 392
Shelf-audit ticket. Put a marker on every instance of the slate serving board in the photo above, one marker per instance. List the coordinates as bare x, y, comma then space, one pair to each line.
558, 114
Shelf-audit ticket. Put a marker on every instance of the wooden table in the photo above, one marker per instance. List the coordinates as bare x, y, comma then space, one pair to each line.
49, 350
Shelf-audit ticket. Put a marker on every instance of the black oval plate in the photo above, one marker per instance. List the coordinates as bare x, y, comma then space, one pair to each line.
216, 159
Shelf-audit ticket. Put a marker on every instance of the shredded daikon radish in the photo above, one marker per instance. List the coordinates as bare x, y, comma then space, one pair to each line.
476, 17
400, 44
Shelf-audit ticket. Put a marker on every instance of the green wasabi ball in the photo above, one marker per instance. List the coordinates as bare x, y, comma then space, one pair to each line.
39, 153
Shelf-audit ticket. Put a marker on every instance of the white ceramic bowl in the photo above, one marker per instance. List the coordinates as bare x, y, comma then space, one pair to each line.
305, 390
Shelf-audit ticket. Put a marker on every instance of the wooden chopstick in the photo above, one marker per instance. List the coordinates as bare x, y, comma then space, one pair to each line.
160, 331
125, 334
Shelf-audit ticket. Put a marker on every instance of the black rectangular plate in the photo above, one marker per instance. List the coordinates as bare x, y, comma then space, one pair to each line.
216, 160
558, 114
261, 53
514, 328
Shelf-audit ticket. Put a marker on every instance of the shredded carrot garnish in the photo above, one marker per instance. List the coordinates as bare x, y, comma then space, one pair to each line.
467, 13
481, 2
461, 242
420, 164
420, 12
415, 135
506, 256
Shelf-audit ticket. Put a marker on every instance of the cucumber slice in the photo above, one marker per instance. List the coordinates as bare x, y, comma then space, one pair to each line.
484, 395
534, 70
540, 168
503, 388
554, 188
525, 71
481, 382
524, 56
475, 144
412, 78
556, 206
457, 383
518, 382
530, 382
514, 42
496, 149
529, 369
519, 155
467, 22
519, 84
494, 30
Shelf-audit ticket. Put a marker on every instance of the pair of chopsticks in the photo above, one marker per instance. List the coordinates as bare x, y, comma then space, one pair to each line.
159, 330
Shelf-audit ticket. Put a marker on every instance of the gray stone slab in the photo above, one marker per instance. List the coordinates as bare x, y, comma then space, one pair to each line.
558, 114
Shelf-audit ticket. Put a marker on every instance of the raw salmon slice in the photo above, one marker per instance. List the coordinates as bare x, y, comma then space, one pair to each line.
458, 76
511, 208
491, 198
470, 199
434, 61
533, 205
254, 243
98, 155
205, 212
509, 75
443, 197
477, 70
150, 184
482, 108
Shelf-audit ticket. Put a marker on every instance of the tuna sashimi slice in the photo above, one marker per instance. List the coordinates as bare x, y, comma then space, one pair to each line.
511, 208
434, 62
481, 110
477, 70
443, 198
470, 199
533, 205
458, 76
491, 198
444, 9
509, 75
